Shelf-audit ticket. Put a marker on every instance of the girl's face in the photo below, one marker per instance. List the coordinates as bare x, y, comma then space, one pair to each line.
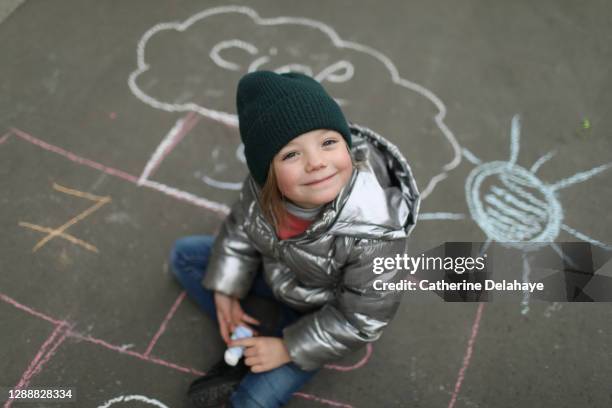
312, 168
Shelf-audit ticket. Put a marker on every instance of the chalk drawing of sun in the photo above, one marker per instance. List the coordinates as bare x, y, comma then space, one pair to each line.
516, 209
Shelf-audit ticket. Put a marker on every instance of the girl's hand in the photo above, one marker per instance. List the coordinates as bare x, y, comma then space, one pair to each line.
230, 315
263, 353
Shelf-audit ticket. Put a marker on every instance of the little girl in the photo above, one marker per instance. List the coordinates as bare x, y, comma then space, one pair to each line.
323, 199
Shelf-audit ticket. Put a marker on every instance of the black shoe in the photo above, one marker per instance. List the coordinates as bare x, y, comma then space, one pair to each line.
215, 388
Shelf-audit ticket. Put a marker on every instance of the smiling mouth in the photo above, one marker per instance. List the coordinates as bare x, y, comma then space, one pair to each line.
320, 181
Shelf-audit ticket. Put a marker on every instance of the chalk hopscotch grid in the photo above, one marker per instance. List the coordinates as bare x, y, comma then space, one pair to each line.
63, 330
147, 355
98, 166
177, 302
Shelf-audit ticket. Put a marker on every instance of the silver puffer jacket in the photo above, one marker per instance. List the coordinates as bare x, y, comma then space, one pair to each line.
327, 270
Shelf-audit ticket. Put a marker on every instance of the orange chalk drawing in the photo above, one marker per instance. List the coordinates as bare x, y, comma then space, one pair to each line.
59, 232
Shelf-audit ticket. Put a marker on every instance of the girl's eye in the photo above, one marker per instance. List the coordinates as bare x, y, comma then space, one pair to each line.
289, 155
331, 142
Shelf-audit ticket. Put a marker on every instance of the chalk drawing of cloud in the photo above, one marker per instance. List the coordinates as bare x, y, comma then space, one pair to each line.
193, 65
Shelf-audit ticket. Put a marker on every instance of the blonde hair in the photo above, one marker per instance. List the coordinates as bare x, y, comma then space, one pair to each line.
271, 198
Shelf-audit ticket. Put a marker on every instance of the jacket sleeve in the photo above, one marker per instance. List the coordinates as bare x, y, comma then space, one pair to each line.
234, 261
356, 316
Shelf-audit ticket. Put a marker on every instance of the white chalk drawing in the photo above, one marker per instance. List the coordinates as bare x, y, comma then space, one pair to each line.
334, 61
167, 143
127, 398
515, 208
220, 167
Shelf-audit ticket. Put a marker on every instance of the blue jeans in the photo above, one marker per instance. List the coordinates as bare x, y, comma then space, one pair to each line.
273, 388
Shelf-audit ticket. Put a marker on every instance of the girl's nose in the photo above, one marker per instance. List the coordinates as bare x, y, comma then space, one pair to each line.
314, 163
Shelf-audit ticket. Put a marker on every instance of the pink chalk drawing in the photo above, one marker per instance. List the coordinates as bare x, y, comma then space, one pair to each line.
64, 330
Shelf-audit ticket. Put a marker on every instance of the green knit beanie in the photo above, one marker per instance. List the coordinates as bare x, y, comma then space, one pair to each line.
275, 108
